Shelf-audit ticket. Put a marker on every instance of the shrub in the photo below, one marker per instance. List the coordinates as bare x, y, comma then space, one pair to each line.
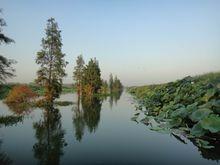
20, 94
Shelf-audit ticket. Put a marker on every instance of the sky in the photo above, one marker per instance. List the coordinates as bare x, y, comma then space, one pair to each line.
140, 41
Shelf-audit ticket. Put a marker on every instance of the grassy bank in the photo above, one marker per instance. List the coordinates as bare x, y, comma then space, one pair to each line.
190, 106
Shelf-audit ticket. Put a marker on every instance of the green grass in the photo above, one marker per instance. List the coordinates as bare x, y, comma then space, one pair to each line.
4, 89
68, 89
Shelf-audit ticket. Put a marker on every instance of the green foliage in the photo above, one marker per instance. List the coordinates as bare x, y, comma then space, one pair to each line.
200, 114
4, 90
91, 80
104, 87
111, 82
78, 73
191, 104
211, 123
6, 69
88, 79
114, 87
68, 89
37, 89
63, 103
3, 38
51, 61
117, 85
197, 130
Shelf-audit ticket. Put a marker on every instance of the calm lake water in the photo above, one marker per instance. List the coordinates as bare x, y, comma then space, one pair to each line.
97, 132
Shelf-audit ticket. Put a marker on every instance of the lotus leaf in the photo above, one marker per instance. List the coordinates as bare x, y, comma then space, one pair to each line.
216, 106
146, 120
200, 114
209, 94
175, 122
190, 105
181, 112
197, 130
211, 123
191, 108
134, 118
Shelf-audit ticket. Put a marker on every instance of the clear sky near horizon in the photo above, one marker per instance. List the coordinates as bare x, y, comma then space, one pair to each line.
141, 41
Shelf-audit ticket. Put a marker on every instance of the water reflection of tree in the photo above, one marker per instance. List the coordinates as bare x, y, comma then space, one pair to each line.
50, 136
4, 159
87, 116
20, 109
6, 121
113, 98
10, 120
78, 120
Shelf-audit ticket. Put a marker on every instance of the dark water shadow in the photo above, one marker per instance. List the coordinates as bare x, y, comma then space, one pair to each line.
50, 137
86, 115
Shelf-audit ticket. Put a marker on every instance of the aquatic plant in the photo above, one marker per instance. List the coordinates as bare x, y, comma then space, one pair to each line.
190, 105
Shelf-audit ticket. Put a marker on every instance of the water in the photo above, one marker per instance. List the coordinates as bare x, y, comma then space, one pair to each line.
97, 132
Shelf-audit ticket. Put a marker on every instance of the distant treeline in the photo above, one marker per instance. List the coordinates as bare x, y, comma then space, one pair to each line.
88, 79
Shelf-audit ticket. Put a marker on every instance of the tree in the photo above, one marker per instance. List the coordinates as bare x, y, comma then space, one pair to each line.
20, 94
117, 85
51, 61
104, 87
6, 70
111, 81
78, 73
3, 38
91, 80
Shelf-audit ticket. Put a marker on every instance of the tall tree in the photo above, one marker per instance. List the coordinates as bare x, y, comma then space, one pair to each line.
91, 78
111, 81
104, 87
3, 38
6, 70
117, 86
51, 61
78, 73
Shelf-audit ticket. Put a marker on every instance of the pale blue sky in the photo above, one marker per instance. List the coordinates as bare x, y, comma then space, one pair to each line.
142, 41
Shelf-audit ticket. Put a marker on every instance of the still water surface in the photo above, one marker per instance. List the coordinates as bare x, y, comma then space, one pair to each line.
96, 132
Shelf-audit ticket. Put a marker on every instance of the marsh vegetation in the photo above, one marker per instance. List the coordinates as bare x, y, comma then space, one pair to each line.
187, 108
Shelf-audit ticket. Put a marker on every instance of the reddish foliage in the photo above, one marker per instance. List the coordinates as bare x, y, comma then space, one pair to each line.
20, 94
